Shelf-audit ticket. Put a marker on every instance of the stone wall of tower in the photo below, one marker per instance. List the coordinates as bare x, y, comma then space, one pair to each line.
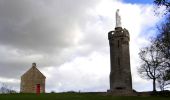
120, 75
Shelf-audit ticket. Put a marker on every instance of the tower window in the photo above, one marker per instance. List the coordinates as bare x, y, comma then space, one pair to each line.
120, 88
118, 61
118, 43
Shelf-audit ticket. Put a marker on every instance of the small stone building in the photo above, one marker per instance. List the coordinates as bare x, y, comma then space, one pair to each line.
33, 81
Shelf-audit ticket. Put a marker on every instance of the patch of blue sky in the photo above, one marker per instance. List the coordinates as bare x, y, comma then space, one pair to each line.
139, 1
152, 31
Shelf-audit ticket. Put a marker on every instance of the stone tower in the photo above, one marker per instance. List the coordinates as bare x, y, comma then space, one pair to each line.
120, 75
33, 81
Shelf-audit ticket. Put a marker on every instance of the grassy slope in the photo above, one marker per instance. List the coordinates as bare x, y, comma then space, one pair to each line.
74, 96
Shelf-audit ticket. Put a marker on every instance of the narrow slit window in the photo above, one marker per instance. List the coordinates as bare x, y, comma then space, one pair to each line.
118, 61
118, 43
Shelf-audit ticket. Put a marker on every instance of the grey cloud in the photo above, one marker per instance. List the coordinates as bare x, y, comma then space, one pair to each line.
29, 27
10, 70
35, 25
47, 28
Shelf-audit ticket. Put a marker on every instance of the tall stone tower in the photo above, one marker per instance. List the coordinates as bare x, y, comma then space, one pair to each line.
120, 75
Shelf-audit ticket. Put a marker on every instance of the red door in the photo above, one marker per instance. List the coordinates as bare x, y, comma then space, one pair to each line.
38, 89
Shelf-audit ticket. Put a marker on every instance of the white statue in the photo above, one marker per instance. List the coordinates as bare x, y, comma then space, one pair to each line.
118, 19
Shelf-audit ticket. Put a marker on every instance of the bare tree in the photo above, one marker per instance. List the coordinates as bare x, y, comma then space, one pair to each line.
160, 3
165, 3
151, 63
163, 83
6, 89
163, 40
163, 44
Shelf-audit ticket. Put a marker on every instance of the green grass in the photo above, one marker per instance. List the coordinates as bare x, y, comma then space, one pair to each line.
76, 96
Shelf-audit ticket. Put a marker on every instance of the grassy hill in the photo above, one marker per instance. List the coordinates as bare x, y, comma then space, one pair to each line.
76, 96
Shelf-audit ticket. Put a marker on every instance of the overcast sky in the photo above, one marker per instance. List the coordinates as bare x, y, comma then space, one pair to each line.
68, 39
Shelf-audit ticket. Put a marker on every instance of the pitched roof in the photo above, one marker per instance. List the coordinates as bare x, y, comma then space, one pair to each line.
33, 70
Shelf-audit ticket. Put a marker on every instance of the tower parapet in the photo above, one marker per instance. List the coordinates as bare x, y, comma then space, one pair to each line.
118, 32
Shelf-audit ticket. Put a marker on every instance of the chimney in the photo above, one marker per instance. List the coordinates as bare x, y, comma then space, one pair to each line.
33, 64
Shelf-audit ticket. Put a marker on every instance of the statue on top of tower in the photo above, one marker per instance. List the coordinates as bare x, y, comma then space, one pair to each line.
118, 19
